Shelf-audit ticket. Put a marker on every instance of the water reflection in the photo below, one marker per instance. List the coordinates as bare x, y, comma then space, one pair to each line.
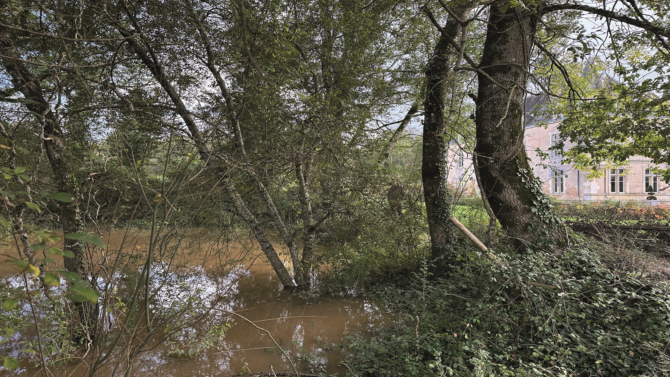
250, 288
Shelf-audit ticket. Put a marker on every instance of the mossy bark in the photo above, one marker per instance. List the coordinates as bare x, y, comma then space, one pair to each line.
500, 152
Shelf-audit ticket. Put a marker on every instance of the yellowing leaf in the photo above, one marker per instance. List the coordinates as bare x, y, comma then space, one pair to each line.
34, 270
24, 266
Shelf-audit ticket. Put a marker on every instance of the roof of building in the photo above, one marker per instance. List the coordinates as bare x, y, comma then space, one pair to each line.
535, 109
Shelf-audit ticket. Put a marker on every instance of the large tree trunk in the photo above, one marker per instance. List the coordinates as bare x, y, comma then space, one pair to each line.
506, 176
434, 159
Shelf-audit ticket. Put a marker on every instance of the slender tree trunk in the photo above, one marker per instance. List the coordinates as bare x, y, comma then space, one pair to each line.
150, 60
398, 132
56, 148
239, 143
302, 171
506, 176
266, 246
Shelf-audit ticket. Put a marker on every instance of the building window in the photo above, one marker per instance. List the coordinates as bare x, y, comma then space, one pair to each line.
650, 181
554, 142
557, 186
617, 180
461, 159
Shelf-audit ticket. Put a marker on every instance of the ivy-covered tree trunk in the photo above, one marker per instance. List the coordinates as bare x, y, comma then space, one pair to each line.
506, 176
434, 158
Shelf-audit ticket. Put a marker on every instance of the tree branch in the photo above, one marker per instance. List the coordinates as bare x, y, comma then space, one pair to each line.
609, 14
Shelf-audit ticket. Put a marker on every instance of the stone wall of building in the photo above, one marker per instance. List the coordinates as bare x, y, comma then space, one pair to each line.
564, 181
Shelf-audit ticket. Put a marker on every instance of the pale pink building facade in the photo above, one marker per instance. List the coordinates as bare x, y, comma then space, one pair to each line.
630, 182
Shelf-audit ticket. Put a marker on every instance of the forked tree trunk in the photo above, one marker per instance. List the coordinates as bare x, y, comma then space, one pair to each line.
506, 176
150, 60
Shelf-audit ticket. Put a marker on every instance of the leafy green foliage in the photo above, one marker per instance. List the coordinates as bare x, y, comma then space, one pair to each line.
10, 363
9, 303
539, 314
51, 279
60, 196
625, 108
81, 291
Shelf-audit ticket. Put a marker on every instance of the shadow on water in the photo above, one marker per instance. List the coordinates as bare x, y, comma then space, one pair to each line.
237, 281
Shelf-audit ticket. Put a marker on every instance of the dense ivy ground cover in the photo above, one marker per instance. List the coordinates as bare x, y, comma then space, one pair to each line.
560, 313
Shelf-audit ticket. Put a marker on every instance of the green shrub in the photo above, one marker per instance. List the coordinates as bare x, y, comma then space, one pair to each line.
538, 314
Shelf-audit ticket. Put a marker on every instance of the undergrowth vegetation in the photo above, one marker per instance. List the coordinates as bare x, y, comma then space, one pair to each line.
567, 313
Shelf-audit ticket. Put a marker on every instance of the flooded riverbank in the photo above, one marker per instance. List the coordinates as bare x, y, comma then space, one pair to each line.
230, 276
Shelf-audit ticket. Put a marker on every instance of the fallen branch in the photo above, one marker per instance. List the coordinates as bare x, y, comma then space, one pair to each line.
469, 234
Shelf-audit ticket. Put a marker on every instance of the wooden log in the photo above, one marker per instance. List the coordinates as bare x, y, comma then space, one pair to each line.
469, 234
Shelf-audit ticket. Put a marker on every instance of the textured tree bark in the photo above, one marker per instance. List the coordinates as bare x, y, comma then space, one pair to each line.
501, 157
433, 168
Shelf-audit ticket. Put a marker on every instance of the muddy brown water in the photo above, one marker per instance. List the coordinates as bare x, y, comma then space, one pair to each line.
235, 274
